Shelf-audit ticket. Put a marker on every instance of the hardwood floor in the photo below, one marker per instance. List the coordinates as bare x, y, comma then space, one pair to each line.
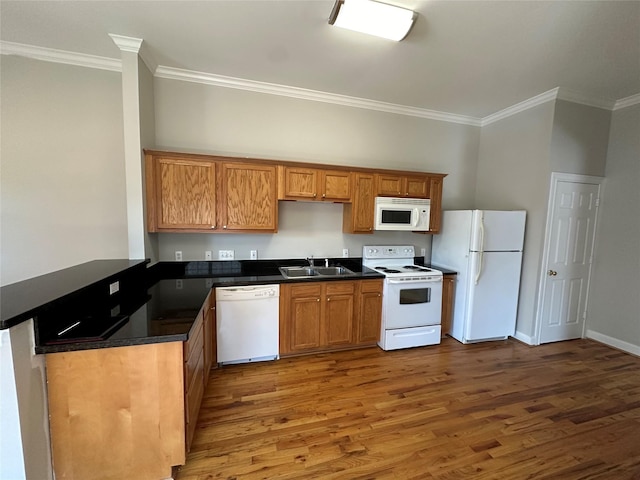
498, 410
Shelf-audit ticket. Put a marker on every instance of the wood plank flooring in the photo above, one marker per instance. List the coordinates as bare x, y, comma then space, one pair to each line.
497, 410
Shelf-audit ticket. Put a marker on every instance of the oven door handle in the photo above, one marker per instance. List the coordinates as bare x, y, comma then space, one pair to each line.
422, 280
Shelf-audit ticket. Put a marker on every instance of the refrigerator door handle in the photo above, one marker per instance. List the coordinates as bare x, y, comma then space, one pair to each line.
482, 232
479, 267
481, 249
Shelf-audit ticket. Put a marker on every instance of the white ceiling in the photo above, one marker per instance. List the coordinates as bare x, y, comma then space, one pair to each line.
469, 58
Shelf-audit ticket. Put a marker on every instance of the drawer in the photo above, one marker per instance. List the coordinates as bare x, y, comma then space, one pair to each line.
192, 362
371, 286
194, 333
340, 288
411, 337
306, 290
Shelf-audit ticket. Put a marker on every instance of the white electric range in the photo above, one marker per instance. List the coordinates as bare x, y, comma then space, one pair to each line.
412, 297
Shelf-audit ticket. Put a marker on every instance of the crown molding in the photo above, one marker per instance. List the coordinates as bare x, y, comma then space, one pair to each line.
577, 97
312, 95
521, 107
60, 56
627, 102
137, 46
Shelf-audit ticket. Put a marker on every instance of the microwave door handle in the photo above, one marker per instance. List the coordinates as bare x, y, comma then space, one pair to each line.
416, 217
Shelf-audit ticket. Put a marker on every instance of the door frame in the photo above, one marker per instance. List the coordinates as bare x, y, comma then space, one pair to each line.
557, 177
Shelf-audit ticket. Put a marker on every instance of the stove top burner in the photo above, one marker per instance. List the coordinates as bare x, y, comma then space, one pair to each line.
413, 267
388, 270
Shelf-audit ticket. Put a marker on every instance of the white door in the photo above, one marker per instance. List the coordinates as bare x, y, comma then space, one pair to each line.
567, 258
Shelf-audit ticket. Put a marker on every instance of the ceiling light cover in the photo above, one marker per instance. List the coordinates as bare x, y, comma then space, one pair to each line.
373, 18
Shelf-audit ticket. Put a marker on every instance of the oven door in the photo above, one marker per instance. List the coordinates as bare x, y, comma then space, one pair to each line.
412, 304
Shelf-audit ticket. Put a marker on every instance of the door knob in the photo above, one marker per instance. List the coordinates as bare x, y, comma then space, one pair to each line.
552, 273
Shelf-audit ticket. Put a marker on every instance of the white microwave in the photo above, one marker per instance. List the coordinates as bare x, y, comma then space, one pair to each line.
410, 214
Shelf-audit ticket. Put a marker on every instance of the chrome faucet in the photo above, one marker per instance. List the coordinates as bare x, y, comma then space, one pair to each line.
326, 262
310, 260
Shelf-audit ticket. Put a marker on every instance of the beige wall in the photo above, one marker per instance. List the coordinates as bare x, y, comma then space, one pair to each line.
513, 174
580, 139
62, 171
614, 303
211, 119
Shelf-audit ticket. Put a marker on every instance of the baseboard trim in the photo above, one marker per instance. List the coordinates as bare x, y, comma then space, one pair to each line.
524, 338
614, 342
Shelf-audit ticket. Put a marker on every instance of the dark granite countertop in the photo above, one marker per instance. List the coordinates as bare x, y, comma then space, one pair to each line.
23, 300
165, 309
158, 303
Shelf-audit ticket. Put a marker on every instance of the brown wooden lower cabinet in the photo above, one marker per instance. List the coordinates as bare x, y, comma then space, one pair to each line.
325, 316
370, 312
448, 288
117, 413
129, 412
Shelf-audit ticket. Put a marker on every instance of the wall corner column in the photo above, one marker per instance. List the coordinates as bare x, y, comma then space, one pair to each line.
139, 132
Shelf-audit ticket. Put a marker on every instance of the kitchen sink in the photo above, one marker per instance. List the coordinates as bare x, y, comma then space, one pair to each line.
308, 272
297, 272
333, 271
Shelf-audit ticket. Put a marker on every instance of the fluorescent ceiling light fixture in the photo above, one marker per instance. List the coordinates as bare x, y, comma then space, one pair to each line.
373, 18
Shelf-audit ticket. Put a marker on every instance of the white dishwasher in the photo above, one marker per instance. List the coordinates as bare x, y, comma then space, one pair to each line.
247, 323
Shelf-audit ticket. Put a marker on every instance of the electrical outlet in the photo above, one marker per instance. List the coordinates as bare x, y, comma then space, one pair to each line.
178, 284
423, 252
253, 255
345, 253
178, 256
208, 255
114, 288
208, 283
225, 255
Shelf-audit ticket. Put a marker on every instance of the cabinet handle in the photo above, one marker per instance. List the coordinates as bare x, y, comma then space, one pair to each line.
379, 295
315, 195
328, 299
224, 226
317, 299
213, 226
323, 195
552, 273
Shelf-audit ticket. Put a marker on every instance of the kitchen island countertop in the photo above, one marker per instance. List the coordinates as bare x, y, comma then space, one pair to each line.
164, 308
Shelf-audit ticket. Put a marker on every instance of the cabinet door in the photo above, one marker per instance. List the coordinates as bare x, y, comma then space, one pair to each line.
181, 194
298, 183
435, 194
358, 216
248, 197
417, 187
304, 318
369, 312
336, 185
338, 314
448, 286
390, 185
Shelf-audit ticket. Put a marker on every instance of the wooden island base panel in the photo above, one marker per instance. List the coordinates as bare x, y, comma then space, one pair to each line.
117, 413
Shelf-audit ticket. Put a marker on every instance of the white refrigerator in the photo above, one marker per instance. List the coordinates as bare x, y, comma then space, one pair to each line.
485, 248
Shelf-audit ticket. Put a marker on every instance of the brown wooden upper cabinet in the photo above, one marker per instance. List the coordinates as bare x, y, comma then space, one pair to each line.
247, 197
191, 193
181, 194
314, 184
415, 186
357, 217
198, 193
